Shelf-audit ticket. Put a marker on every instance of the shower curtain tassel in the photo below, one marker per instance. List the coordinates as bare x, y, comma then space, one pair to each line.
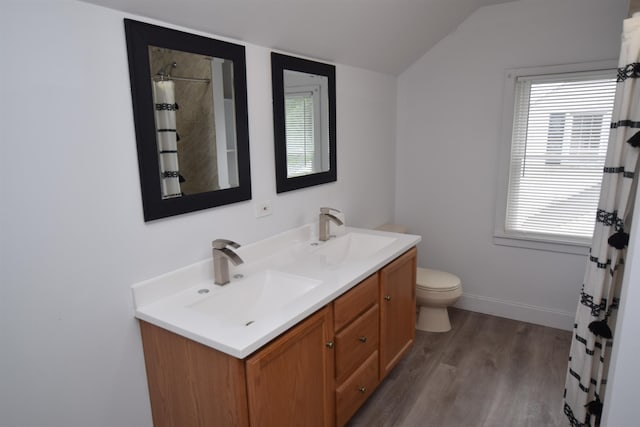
595, 408
601, 329
619, 240
635, 140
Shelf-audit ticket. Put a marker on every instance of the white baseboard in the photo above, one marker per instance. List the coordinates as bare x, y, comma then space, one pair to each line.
517, 311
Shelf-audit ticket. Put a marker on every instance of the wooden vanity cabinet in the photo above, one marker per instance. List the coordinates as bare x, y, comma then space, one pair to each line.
397, 309
290, 380
318, 373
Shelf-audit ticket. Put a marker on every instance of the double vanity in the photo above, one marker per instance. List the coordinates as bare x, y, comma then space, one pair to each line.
301, 335
296, 329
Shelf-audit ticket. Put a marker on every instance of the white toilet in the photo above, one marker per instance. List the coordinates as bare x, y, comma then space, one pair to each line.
435, 291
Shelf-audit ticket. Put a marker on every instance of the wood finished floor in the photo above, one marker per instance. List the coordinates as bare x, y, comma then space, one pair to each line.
486, 372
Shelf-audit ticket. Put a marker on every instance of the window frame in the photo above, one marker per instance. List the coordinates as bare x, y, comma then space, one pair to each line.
522, 240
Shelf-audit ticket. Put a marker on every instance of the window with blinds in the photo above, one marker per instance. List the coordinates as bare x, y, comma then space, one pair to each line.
299, 126
558, 147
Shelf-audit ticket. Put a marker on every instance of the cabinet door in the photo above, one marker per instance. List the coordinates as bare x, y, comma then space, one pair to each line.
397, 309
290, 381
192, 385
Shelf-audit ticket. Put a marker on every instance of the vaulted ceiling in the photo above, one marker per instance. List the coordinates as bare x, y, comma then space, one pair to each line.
381, 35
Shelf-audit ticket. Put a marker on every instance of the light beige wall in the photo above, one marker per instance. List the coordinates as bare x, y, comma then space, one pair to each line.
449, 128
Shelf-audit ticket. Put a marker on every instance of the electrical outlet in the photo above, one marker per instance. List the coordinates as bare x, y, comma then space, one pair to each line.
263, 208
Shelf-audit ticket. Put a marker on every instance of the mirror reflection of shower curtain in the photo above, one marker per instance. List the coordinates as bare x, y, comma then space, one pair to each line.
165, 116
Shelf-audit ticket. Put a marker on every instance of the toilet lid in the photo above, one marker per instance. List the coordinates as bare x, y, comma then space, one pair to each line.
394, 228
436, 280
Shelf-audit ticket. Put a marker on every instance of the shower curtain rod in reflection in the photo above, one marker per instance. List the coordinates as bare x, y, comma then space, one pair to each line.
182, 79
165, 74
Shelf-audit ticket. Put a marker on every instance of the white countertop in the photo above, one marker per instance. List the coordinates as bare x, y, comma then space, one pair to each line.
167, 301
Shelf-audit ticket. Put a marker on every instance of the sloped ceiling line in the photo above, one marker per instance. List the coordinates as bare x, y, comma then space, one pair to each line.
386, 36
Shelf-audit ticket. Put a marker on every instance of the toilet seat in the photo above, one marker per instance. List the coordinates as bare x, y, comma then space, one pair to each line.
436, 281
394, 228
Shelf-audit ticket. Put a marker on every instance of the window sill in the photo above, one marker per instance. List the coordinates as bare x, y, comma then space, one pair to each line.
542, 245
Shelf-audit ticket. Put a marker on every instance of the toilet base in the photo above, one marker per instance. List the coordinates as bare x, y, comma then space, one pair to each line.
433, 319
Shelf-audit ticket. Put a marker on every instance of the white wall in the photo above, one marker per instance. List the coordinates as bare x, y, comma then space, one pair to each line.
73, 238
449, 113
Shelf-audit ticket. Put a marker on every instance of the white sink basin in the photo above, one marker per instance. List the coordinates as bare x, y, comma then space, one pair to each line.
287, 277
244, 301
353, 247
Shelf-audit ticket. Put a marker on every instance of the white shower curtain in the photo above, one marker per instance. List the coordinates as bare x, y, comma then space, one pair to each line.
594, 327
165, 114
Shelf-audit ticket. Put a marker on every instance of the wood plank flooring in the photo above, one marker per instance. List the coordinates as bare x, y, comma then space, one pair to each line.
486, 372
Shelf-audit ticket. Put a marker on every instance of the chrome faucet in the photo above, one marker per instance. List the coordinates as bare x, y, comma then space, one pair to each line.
323, 222
221, 257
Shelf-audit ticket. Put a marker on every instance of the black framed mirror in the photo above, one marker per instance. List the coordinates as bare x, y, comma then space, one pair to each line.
304, 122
190, 109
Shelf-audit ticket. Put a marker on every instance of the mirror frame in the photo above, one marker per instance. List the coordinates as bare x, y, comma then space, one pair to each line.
280, 63
141, 35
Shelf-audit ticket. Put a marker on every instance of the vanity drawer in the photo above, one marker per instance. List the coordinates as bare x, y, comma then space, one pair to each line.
356, 342
356, 301
353, 392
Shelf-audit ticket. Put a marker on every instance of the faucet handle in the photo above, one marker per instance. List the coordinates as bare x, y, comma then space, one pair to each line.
223, 243
327, 210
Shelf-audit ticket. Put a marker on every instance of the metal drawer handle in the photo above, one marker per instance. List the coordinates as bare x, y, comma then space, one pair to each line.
363, 339
329, 344
362, 389
387, 297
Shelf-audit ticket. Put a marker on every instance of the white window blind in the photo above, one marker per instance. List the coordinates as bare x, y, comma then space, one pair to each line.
559, 143
299, 133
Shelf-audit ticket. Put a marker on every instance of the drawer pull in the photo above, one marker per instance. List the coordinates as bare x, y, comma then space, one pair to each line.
330, 344
362, 389
363, 339
387, 297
